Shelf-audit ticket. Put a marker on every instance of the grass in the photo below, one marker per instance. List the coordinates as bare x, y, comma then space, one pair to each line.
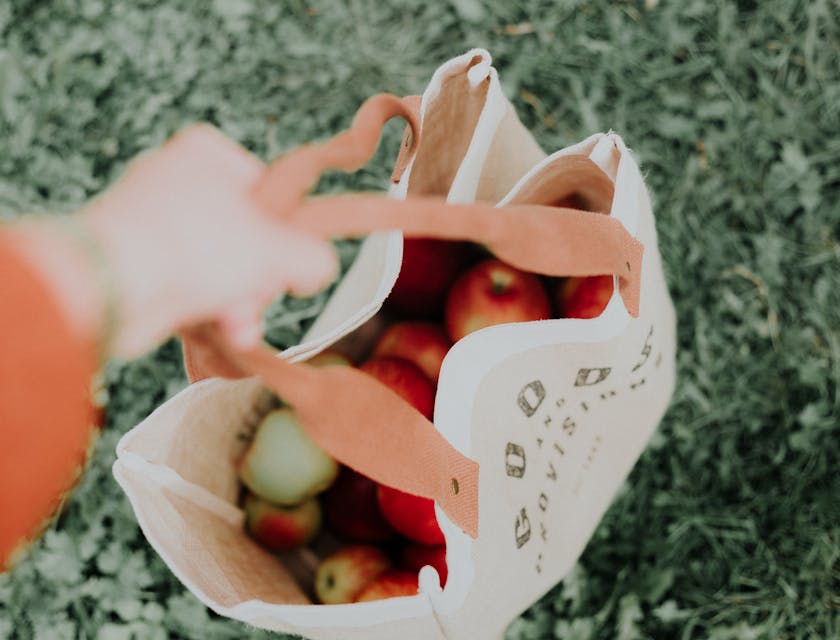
729, 527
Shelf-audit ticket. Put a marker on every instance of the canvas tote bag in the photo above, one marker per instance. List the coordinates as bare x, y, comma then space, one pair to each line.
536, 424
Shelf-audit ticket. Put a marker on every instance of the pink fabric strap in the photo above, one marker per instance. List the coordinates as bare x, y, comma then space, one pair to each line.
289, 178
551, 241
408, 146
363, 424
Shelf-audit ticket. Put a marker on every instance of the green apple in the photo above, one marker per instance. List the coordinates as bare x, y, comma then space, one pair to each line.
329, 357
283, 464
343, 575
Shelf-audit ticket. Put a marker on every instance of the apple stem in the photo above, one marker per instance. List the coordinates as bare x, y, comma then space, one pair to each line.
500, 281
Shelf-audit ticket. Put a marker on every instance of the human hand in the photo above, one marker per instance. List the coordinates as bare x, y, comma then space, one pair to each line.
186, 242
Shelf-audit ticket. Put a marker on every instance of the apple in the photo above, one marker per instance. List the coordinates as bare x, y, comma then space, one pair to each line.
283, 464
342, 576
493, 292
281, 528
405, 379
584, 297
429, 267
352, 510
392, 584
329, 357
421, 343
417, 556
412, 516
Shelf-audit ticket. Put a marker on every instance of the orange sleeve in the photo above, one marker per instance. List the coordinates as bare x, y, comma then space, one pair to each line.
46, 416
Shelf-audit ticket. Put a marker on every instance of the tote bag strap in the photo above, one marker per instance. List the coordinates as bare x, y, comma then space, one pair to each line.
408, 146
552, 241
376, 432
288, 180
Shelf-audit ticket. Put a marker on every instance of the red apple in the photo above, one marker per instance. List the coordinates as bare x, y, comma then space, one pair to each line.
280, 528
412, 516
421, 343
391, 585
283, 464
342, 576
406, 380
417, 556
352, 510
584, 297
493, 292
429, 268
329, 357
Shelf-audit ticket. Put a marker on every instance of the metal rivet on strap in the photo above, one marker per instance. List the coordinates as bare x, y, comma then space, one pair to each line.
455, 487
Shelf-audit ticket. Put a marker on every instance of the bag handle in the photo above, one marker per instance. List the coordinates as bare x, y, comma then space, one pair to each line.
288, 179
360, 423
408, 146
353, 417
552, 241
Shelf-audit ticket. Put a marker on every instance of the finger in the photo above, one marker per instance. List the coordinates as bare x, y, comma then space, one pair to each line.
242, 325
213, 150
308, 264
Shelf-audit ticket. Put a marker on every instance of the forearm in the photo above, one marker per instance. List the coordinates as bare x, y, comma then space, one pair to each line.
103, 277
66, 268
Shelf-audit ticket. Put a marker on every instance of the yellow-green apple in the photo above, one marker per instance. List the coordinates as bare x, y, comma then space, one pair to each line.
282, 528
405, 379
422, 343
493, 292
392, 584
417, 556
413, 516
329, 357
342, 576
352, 510
429, 267
584, 297
283, 464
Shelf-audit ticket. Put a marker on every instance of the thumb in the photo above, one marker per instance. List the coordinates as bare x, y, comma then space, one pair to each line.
307, 264
242, 325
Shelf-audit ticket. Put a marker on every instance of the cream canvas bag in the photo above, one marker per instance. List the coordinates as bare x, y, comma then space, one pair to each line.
536, 424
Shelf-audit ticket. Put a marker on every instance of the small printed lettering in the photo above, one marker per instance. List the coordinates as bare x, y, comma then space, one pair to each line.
514, 460
646, 349
569, 426
522, 529
587, 377
531, 397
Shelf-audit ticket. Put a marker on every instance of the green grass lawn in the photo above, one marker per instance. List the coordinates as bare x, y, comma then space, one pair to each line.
729, 527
